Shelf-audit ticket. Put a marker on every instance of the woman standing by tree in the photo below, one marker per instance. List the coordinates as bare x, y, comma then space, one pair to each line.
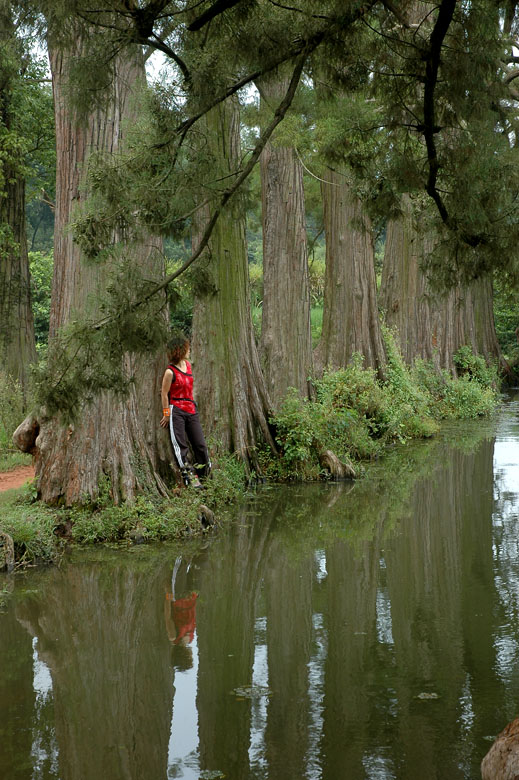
179, 411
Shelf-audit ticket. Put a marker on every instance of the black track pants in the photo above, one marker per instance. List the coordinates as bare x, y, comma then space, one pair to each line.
185, 430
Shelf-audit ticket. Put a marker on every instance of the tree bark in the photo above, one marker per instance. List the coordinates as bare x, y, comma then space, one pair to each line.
17, 344
114, 437
230, 389
502, 760
432, 325
286, 338
350, 315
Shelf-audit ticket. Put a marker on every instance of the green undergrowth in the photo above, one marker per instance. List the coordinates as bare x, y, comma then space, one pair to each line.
41, 533
11, 460
12, 411
357, 415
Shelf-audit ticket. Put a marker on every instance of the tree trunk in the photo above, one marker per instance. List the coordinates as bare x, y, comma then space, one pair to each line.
114, 437
431, 325
230, 389
350, 315
286, 338
17, 345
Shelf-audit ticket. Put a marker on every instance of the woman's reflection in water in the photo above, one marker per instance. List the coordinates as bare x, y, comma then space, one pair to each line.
180, 613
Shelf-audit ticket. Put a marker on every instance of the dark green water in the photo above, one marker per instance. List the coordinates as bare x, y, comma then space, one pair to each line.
340, 633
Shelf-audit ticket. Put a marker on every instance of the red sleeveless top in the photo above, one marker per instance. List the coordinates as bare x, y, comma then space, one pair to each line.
181, 390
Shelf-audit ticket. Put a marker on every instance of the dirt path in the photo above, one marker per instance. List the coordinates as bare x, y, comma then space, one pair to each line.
16, 478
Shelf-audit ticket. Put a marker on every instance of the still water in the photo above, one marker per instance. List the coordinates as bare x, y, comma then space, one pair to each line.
330, 631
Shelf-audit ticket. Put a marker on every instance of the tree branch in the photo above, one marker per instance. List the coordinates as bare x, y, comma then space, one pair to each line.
279, 115
311, 43
511, 75
154, 42
216, 9
430, 127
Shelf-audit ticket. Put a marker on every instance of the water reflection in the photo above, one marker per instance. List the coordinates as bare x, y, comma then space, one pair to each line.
330, 633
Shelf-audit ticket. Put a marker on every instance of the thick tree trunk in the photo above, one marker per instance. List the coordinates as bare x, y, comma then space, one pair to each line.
350, 316
116, 438
286, 338
431, 325
17, 345
230, 389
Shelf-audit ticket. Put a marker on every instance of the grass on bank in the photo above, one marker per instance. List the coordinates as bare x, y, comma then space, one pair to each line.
40, 532
354, 414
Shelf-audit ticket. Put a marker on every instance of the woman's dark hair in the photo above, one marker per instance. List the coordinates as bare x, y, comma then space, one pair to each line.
182, 658
177, 347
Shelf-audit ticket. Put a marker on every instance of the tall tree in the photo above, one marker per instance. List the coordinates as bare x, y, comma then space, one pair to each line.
115, 437
286, 340
233, 399
350, 315
17, 345
238, 43
431, 324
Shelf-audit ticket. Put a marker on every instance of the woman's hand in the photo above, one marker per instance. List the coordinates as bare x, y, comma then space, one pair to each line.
164, 422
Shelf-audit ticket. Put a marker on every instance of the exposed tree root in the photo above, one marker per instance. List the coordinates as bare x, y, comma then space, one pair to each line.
6, 552
337, 468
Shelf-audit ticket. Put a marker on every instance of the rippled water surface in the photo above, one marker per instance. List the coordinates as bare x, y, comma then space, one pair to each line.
330, 632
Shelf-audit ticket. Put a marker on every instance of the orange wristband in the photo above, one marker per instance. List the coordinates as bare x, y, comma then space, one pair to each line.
165, 412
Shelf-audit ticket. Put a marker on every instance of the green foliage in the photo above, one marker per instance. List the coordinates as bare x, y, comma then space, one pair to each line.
356, 415
506, 318
256, 283
475, 368
409, 413
180, 300
41, 267
465, 398
295, 430
316, 324
32, 531
89, 357
473, 394
12, 411
316, 274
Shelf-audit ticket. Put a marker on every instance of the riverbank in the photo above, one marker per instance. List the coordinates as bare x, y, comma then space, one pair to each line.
33, 533
354, 419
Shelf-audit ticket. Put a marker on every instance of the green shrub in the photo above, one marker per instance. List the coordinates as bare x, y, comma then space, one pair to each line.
433, 381
295, 434
356, 415
41, 267
256, 283
465, 398
409, 412
11, 411
316, 324
473, 394
316, 275
475, 367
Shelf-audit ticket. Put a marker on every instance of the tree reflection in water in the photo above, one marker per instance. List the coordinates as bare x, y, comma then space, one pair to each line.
330, 633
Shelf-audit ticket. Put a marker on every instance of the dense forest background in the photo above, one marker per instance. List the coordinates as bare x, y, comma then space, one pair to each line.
301, 187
